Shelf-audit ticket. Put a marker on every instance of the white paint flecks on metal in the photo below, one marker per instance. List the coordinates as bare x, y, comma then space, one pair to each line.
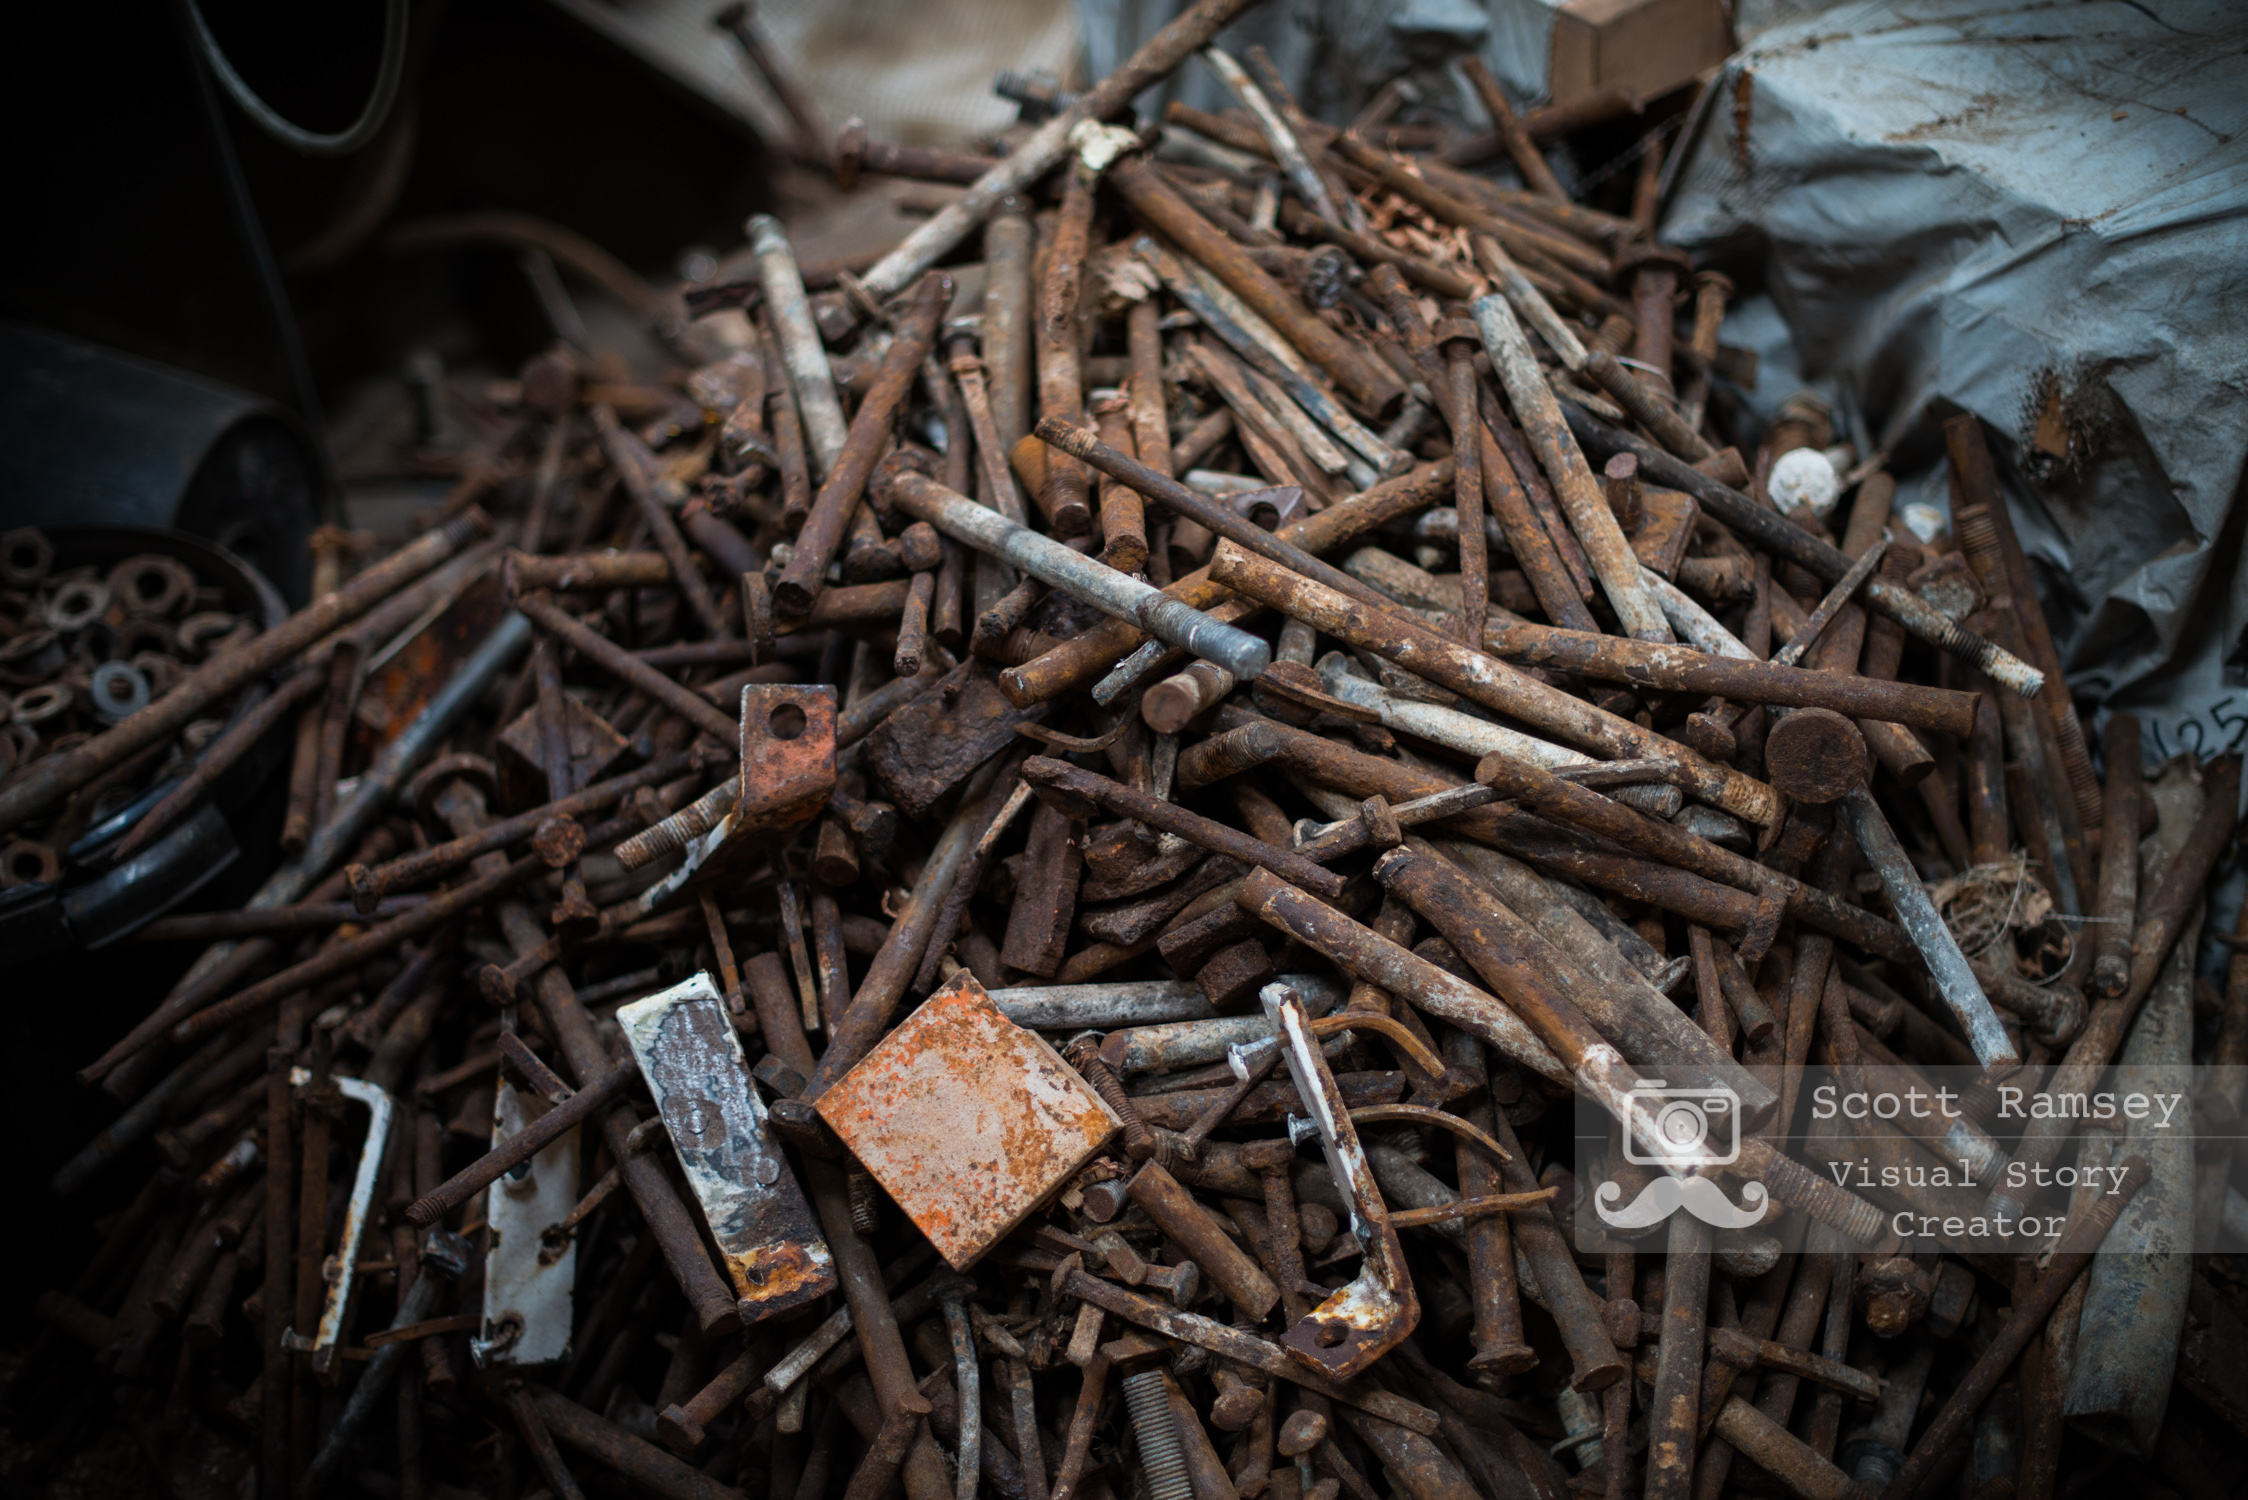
355, 1213
688, 1052
526, 1303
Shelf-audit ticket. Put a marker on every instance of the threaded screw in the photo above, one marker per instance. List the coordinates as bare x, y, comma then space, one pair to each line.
866, 1202
1798, 1187
1148, 1399
1140, 1142
681, 828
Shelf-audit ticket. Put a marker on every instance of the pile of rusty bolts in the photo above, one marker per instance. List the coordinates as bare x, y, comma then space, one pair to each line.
1017, 901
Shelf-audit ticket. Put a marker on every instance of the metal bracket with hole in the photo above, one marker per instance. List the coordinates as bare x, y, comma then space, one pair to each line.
787, 773
692, 1059
1371, 1315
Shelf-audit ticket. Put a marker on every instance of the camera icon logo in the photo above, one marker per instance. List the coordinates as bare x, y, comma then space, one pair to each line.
1694, 1127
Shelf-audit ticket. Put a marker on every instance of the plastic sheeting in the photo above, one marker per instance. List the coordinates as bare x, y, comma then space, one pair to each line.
917, 73
1333, 54
2027, 211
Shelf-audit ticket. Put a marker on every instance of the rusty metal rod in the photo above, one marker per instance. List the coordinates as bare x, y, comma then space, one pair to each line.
1242, 1347
1977, 478
370, 884
1682, 669
1077, 662
1369, 382
1220, 519
1185, 35
427, 1210
1558, 797
524, 573
1948, 968
1081, 577
1612, 559
2070, 1258
640, 1462
797, 336
1775, 533
852, 1034
305, 916
845, 482
1785, 1456
1368, 956
632, 462
1674, 1410
217, 759
1078, 792
629, 669
2163, 920
1190, 1226
1486, 680
2118, 906
345, 956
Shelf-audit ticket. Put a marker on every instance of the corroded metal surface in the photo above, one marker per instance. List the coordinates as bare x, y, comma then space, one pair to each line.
967, 1120
527, 1295
931, 746
356, 1210
1375, 1311
787, 738
687, 1050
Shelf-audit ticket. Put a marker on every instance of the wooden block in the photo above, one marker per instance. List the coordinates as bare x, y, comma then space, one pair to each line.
1644, 47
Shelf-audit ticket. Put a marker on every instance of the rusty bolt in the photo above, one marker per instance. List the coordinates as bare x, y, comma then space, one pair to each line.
1105, 1200
558, 840
1239, 1401
1140, 1142
1181, 1283
1303, 1431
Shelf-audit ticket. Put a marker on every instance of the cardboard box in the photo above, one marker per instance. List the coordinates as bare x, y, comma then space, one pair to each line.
1647, 47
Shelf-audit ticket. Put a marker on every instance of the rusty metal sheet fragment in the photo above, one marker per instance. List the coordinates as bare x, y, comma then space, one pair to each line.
933, 744
1367, 1317
403, 674
595, 747
688, 1052
527, 1315
967, 1120
787, 774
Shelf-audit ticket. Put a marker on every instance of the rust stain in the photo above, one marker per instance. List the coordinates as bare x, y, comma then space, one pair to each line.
397, 691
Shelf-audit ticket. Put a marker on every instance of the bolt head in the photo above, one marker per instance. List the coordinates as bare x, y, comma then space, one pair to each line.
1302, 1432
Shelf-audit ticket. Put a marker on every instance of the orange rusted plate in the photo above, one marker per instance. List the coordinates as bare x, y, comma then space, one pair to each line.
967, 1120
788, 756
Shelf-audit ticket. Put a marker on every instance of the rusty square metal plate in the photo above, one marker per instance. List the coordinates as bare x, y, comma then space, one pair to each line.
967, 1120
927, 749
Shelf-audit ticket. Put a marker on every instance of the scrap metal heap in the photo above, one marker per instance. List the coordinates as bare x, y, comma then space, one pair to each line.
830, 982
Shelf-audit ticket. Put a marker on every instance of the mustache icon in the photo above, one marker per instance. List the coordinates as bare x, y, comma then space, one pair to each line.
1664, 1196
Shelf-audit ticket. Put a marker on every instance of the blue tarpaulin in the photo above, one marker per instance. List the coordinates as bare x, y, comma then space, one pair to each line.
2033, 213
